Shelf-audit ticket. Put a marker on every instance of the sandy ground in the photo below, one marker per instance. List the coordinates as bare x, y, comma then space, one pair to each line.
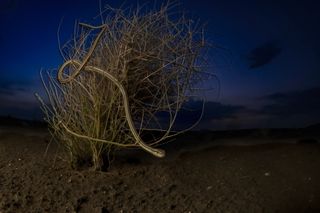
277, 177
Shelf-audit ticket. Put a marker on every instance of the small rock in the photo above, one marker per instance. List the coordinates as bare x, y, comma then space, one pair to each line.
209, 188
267, 174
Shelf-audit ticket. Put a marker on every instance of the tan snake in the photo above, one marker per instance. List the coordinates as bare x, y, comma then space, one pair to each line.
83, 67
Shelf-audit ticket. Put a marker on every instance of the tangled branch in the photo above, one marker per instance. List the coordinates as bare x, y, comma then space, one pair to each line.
129, 79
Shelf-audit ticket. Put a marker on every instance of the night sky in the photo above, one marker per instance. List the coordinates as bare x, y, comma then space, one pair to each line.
268, 66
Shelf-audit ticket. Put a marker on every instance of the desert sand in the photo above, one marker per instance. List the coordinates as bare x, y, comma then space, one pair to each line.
203, 172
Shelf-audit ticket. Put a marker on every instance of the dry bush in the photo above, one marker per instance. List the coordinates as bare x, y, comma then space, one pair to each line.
120, 78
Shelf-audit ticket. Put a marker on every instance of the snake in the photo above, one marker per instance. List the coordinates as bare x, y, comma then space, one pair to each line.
82, 66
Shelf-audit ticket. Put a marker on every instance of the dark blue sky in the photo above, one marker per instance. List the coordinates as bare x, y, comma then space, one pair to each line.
269, 69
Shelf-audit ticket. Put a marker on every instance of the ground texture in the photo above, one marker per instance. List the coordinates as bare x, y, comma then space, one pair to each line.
277, 177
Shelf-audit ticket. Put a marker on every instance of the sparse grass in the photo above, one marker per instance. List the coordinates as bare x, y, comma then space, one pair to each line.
119, 78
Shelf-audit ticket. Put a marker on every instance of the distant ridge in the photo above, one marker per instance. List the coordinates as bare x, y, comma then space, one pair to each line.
12, 121
311, 130
314, 126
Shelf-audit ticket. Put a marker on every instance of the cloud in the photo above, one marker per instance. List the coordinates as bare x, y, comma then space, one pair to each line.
278, 110
8, 86
213, 111
303, 102
17, 99
263, 54
5, 92
8, 89
19, 103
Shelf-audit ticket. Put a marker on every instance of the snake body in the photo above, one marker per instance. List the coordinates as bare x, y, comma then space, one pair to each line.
81, 66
